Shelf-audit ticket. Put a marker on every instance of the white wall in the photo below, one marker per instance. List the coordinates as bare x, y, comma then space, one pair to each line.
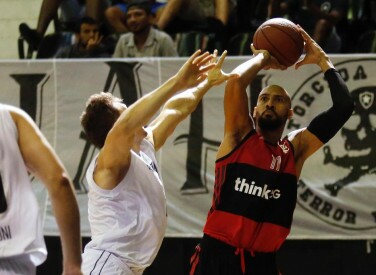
12, 13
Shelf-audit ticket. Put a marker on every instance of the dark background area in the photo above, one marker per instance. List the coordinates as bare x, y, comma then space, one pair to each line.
296, 257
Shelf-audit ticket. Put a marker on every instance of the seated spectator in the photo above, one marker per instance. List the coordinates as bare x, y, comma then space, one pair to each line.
49, 10
143, 39
319, 17
185, 15
89, 42
116, 14
367, 14
360, 19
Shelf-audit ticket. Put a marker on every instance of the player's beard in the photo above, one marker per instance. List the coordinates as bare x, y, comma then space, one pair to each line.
270, 124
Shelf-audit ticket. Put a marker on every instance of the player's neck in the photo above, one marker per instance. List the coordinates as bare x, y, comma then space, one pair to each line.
270, 136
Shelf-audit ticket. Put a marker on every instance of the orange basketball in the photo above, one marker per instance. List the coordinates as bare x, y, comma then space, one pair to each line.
281, 38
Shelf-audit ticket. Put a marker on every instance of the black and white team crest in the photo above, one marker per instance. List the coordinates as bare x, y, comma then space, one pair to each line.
338, 183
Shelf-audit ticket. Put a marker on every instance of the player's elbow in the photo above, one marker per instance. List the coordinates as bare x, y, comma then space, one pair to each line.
234, 84
348, 106
59, 183
180, 107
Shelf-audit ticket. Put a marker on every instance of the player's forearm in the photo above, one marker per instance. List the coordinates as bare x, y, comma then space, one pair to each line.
186, 102
176, 110
327, 124
140, 113
248, 70
235, 97
339, 92
67, 215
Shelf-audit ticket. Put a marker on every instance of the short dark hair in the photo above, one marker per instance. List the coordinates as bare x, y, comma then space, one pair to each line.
141, 4
99, 117
85, 20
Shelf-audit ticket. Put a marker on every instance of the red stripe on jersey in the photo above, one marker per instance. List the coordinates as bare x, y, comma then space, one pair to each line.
245, 233
255, 151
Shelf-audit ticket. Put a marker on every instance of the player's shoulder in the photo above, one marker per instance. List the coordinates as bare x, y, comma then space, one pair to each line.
304, 142
16, 113
295, 134
20, 117
296, 138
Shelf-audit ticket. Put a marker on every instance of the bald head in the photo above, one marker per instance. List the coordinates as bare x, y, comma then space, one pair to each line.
276, 90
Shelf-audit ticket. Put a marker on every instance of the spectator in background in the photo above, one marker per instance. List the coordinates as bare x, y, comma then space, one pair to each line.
143, 39
49, 10
24, 150
116, 15
318, 17
183, 15
88, 44
250, 14
372, 7
212, 19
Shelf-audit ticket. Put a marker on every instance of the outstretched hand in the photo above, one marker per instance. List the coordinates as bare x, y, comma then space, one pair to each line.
271, 61
194, 70
216, 76
203, 66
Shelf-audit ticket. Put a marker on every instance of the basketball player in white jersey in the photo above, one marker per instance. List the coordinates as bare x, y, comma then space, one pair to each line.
127, 203
24, 149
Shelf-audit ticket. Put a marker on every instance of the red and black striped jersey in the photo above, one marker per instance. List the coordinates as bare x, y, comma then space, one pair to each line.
254, 195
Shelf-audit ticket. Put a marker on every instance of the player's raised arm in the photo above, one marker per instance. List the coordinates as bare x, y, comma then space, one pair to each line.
325, 125
238, 120
183, 104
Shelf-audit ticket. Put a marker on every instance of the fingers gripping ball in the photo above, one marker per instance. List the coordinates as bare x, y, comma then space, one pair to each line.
281, 38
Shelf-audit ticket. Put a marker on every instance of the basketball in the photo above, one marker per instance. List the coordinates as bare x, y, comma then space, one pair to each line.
281, 38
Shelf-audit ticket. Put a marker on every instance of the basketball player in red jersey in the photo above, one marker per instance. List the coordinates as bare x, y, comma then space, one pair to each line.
257, 170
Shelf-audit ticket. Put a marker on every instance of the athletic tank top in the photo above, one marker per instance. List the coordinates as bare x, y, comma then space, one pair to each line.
254, 195
130, 220
20, 223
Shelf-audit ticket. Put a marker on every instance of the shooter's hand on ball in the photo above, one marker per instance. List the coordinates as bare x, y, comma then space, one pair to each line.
272, 61
314, 53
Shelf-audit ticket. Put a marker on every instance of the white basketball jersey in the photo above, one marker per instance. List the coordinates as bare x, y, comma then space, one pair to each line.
130, 220
20, 224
